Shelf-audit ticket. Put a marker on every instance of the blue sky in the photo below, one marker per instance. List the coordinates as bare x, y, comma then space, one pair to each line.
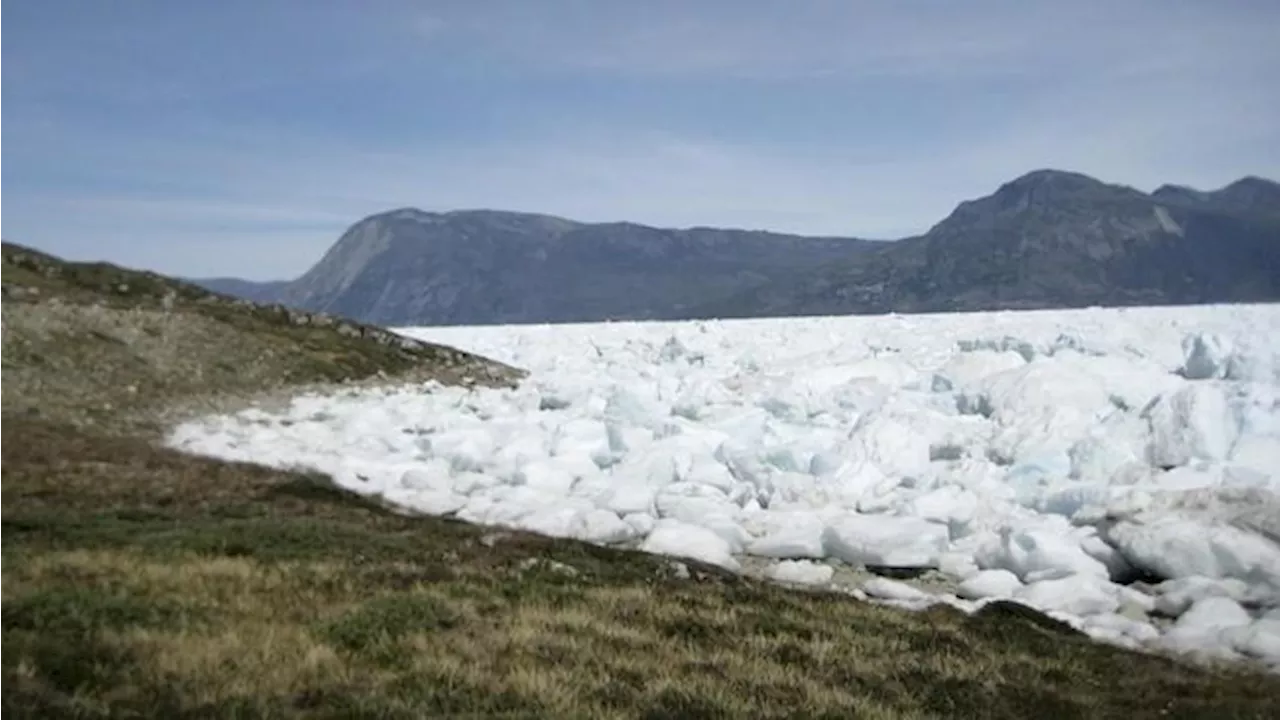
241, 137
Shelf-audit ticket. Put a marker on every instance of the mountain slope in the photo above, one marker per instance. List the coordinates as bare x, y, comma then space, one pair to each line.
1051, 239
248, 289
134, 340
1047, 239
1246, 196
409, 266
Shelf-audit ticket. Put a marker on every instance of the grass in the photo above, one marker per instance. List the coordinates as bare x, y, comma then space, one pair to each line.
92, 344
141, 582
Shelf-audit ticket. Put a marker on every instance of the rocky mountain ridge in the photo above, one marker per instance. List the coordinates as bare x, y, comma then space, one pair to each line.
1049, 238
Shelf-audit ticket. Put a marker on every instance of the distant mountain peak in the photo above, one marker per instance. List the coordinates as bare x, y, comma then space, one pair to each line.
1253, 181
485, 216
1037, 192
1252, 189
1249, 194
1048, 177
1050, 187
1174, 190
1049, 238
403, 213
1250, 183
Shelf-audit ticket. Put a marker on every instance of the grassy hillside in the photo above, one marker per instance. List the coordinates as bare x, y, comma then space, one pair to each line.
140, 582
97, 345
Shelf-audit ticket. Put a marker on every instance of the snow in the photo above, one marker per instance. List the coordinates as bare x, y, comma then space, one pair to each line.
1052, 458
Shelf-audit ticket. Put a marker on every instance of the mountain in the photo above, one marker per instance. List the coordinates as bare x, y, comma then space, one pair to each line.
1247, 196
1047, 239
247, 289
482, 266
1054, 239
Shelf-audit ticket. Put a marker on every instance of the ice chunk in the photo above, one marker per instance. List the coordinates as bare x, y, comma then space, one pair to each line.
673, 350
1192, 423
1206, 356
1035, 554
800, 541
642, 522
706, 470
653, 470
602, 526
524, 447
800, 572
1095, 547
464, 449
885, 541
1260, 453
1251, 364
1070, 500
1120, 439
1214, 625
893, 444
625, 497
990, 583
545, 476
466, 483
628, 408
431, 501
966, 369
887, 589
1259, 639
1077, 594
690, 503
1042, 407
1033, 478
1135, 602
672, 537
585, 436
624, 438
1214, 613
957, 564
949, 505
1189, 477
433, 475
1112, 626
1171, 546
1173, 597
559, 522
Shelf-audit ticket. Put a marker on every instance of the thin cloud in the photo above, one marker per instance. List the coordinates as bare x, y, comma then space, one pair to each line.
852, 39
610, 111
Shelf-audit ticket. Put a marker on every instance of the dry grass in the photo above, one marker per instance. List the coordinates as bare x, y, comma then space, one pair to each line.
98, 346
139, 582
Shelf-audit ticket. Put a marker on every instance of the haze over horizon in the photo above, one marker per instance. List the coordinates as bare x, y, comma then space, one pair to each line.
241, 138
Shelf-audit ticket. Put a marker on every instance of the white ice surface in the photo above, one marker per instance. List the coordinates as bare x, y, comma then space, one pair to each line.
1048, 457
800, 572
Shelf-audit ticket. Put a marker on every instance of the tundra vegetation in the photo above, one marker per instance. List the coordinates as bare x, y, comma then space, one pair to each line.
139, 581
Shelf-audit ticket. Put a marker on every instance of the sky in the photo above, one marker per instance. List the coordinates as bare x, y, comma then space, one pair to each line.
241, 137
